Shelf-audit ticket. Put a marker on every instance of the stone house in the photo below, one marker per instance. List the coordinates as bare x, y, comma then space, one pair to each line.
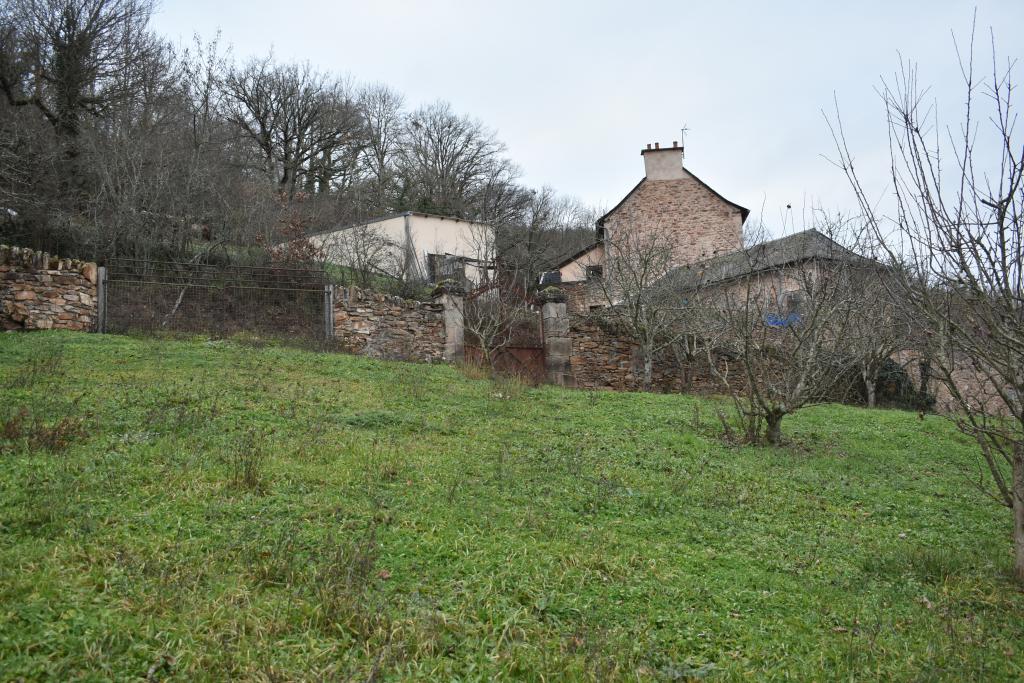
693, 220
778, 269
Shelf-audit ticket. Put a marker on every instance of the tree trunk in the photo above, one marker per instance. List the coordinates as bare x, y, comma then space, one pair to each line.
648, 371
1018, 514
870, 385
773, 430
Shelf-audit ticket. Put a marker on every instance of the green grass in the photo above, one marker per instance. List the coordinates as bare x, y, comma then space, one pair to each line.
199, 510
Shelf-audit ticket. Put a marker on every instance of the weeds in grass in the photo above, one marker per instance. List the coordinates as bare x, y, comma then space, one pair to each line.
343, 585
271, 558
508, 387
383, 462
375, 419
47, 364
933, 565
246, 461
184, 409
22, 430
474, 371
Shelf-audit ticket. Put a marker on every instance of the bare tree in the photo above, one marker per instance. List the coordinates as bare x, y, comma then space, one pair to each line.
653, 316
307, 128
958, 235
775, 330
452, 165
384, 119
879, 326
365, 254
68, 58
495, 305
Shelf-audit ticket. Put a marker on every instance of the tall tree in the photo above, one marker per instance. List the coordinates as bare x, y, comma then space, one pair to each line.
957, 237
453, 165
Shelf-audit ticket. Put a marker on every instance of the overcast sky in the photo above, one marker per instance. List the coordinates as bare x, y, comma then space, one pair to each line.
576, 89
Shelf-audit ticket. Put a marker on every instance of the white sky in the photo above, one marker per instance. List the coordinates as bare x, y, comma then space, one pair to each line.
576, 89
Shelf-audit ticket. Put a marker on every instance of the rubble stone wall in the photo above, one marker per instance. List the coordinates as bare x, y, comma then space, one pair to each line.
42, 292
602, 357
383, 326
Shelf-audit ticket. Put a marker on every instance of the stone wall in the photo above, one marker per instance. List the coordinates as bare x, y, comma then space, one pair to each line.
42, 292
383, 326
692, 218
602, 357
583, 296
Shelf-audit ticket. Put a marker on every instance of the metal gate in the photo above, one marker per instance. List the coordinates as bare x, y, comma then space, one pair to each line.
150, 296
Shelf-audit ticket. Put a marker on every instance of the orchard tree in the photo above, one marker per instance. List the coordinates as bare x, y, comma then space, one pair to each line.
957, 237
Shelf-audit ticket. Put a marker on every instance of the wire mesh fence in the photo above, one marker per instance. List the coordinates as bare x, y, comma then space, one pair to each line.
151, 296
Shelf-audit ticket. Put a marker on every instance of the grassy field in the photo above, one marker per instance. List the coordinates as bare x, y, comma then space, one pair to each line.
209, 510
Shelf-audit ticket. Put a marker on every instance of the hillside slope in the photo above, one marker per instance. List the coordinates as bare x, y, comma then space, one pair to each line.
207, 510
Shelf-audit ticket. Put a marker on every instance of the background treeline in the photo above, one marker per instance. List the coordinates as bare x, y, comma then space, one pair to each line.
115, 143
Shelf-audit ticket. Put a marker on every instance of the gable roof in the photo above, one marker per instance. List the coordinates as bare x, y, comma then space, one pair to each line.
578, 255
744, 212
797, 248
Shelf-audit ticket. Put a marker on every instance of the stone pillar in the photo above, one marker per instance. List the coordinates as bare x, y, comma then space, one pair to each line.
557, 343
100, 275
451, 299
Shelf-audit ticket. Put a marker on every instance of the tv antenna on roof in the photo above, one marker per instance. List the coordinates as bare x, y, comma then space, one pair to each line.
683, 131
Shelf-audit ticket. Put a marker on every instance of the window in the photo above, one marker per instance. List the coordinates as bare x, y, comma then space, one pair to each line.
443, 267
595, 272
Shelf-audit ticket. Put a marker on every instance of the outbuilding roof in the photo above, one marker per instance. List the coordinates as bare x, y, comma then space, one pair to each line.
789, 250
387, 217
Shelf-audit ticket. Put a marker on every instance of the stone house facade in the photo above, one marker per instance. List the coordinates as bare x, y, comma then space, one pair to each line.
686, 214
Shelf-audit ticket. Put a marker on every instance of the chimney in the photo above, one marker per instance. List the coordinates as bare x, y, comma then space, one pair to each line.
663, 163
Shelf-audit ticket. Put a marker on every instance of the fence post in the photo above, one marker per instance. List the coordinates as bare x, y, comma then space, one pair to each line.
101, 299
557, 340
451, 300
329, 312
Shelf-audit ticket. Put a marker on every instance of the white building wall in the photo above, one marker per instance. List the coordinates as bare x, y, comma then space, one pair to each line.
421, 235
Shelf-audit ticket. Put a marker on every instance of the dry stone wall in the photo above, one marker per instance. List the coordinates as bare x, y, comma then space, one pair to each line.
42, 292
382, 326
603, 358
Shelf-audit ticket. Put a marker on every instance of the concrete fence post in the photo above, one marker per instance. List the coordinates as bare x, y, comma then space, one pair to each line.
451, 300
101, 299
557, 343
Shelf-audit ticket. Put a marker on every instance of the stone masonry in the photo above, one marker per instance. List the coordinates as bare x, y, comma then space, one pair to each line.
383, 326
697, 223
670, 201
42, 292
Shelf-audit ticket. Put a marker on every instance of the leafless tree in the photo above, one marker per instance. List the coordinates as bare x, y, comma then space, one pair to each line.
653, 316
452, 165
365, 253
68, 58
306, 127
879, 325
384, 118
545, 228
496, 305
958, 235
776, 335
